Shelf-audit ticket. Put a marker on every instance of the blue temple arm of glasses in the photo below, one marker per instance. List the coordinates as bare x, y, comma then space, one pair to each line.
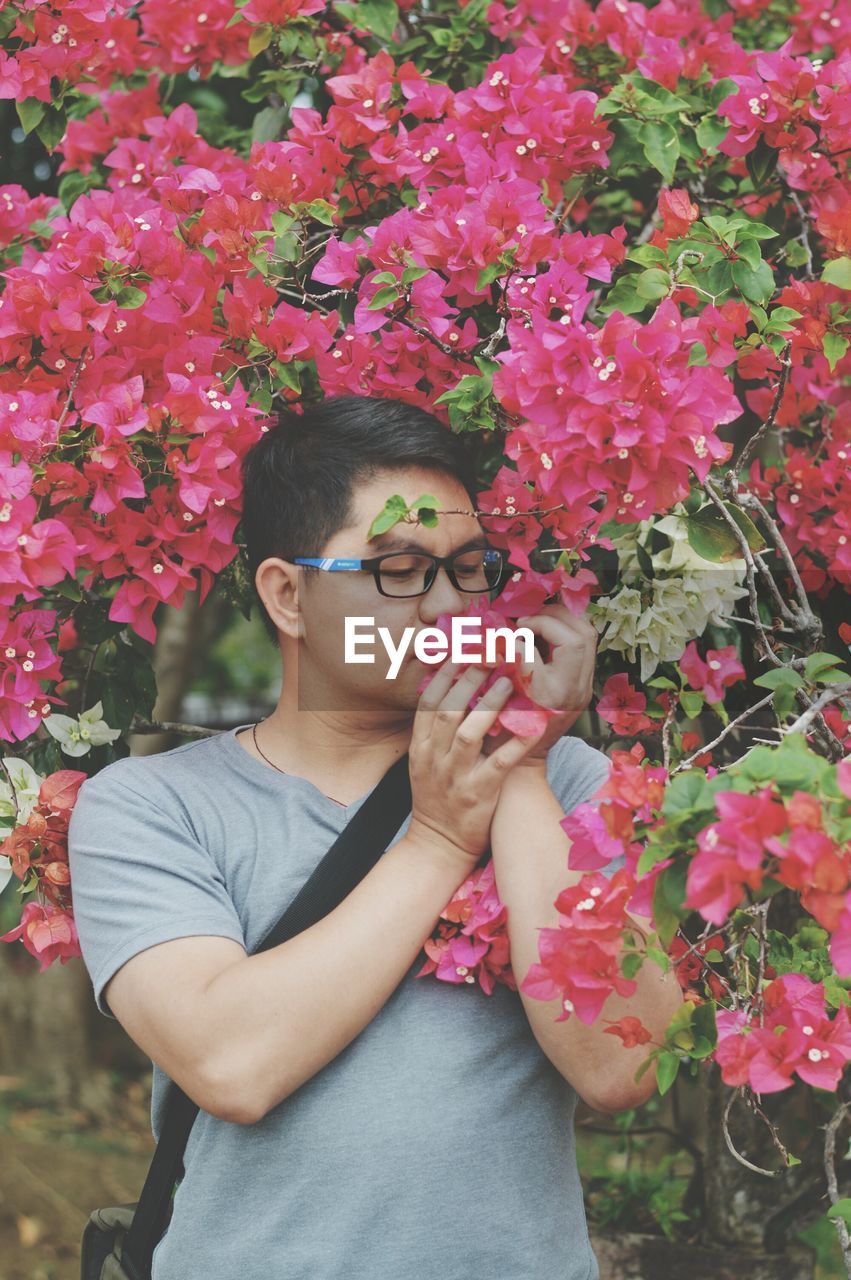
333, 563
328, 562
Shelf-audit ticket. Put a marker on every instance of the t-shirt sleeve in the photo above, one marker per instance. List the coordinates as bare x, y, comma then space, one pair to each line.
575, 770
139, 877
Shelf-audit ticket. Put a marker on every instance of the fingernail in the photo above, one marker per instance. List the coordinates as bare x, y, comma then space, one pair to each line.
502, 685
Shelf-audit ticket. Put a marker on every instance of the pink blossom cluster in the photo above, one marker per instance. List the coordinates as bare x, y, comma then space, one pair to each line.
744, 847
470, 943
89, 44
520, 715
794, 1036
38, 849
579, 962
713, 674
611, 823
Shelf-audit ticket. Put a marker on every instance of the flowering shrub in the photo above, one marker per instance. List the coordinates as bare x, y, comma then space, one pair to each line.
610, 243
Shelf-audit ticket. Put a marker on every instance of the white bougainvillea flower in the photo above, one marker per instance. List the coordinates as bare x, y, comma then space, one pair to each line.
17, 800
685, 594
77, 736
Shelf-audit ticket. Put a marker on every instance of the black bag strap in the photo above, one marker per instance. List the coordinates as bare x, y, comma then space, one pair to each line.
355, 851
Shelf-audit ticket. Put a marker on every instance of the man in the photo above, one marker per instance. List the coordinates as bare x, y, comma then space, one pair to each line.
356, 1120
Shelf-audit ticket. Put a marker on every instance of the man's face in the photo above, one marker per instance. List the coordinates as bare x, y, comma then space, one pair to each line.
326, 682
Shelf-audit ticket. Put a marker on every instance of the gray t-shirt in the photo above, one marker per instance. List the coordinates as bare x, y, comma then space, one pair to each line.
438, 1145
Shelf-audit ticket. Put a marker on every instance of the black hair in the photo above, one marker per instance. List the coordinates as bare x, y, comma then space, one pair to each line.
298, 478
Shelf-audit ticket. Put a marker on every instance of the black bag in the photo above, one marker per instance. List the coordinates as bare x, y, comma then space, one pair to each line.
119, 1241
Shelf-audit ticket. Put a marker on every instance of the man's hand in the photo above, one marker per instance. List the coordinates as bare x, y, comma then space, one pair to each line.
564, 679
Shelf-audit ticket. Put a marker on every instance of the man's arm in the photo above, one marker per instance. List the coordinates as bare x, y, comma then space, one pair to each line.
239, 1033
530, 874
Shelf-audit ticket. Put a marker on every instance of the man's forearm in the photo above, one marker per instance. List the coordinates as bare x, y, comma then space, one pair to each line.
530, 850
279, 1016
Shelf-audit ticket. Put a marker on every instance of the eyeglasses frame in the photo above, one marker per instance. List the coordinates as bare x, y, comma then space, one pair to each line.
372, 564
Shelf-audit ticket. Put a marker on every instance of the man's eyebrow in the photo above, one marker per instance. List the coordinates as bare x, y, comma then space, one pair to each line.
391, 542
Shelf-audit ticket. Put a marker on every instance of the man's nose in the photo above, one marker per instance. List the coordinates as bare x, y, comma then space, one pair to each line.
442, 597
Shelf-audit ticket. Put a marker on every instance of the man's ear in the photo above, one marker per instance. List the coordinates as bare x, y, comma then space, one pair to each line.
276, 582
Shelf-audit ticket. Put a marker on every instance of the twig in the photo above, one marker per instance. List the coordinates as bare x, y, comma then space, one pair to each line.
424, 333
754, 1168
734, 724
806, 621
666, 733
172, 726
731, 482
830, 694
804, 236
750, 566
494, 340
841, 1113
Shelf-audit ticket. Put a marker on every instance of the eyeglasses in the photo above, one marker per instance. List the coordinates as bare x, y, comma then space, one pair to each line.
403, 574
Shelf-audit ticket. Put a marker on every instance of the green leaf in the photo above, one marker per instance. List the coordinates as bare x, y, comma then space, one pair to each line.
841, 1209
711, 132
754, 230
691, 701
668, 894
287, 374
381, 17
129, 298
384, 297
631, 963
268, 124
648, 255
778, 677
260, 39
30, 113
661, 146
666, 1071
411, 274
796, 254
717, 279
698, 354
488, 274
750, 252
837, 271
761, 163
819, 664
69, 589
755, 283
395, 508
687, 793
710, 535
623, 296
781, 319
322, 211
834, 347
653, 284
784, 701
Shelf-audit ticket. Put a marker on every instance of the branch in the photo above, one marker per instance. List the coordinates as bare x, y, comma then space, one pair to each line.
171, 726
830, 694
804, 235
841, 1113
751, 572
737, 723
754, 1168
731, 482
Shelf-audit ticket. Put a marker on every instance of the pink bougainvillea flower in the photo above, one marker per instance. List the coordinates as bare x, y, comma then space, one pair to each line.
622, 705
712, 675
47, 932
